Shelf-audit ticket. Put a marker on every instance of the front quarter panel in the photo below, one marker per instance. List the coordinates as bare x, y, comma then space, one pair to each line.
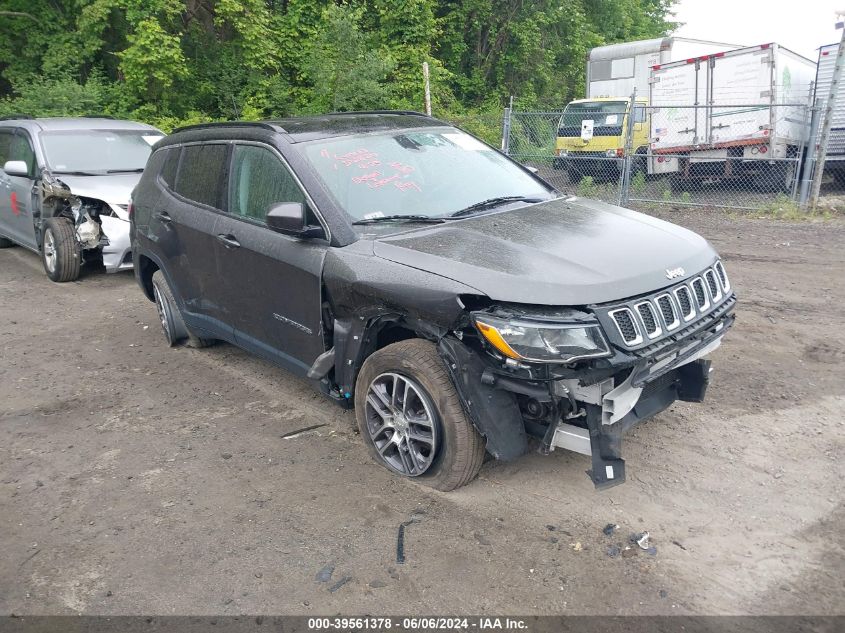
366, 292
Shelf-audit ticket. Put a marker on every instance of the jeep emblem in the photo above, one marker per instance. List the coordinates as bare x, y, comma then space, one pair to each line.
671, 273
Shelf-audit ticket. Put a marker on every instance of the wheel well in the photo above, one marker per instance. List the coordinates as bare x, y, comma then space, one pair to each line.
146, 270
393, 333
389, 333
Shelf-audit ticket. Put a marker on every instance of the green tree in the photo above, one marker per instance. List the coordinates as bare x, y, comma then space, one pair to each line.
171, 60
345, 69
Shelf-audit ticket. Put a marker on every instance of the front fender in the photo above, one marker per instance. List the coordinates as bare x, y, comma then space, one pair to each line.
494, 412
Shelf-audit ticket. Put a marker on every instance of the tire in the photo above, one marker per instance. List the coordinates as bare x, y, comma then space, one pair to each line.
6, 242
456, 449
169, 316
787, 175
639, 165
172, 325
679, 184
60, 253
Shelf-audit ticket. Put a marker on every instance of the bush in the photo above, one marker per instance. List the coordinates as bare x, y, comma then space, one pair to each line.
638, 183
587, 187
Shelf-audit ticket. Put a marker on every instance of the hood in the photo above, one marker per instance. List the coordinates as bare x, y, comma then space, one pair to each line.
567, 251
111, 188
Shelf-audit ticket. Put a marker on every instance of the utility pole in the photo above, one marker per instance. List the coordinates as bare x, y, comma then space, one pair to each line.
427, 89
821, 154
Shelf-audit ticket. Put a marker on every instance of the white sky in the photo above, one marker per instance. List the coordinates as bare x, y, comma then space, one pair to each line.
799, 25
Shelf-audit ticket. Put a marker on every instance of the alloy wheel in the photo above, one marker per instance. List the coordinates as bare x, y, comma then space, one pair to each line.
402, 424
162, 309
50, 251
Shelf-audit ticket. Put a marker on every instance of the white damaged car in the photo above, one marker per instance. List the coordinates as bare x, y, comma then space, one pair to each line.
65, 186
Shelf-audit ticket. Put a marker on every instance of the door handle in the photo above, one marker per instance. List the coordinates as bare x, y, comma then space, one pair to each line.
164, 217
229, 241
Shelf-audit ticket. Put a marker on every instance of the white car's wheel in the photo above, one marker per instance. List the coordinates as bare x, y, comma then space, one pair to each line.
60, 251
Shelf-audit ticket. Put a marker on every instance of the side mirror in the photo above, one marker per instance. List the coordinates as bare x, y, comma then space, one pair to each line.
288, 218
16, 168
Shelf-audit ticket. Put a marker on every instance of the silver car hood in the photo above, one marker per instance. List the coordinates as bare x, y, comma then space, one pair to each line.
114, 189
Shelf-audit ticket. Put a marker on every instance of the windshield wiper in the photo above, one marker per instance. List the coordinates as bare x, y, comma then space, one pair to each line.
423, 219
78, 173
493, 202
135, 170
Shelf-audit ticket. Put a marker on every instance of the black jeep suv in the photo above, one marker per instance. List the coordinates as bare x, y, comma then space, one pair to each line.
458, 301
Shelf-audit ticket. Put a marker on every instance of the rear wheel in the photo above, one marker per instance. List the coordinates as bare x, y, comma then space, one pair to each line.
411, 417
60, 252
639, 164
787, 174
171, 321
172, 325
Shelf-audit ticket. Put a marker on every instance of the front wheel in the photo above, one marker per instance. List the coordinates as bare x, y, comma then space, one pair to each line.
60, 252
411, 417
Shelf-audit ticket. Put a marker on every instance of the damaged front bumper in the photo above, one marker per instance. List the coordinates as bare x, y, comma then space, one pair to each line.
117, 253
602, 437
99, 225
588, 414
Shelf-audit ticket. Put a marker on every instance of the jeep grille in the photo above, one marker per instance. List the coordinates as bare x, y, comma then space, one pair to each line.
649, 318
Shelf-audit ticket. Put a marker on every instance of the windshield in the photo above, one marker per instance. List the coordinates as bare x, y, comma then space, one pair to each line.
606, 117
98, 151
427, 172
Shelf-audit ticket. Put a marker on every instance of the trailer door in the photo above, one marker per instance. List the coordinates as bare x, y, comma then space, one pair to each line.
675, 89
740, 94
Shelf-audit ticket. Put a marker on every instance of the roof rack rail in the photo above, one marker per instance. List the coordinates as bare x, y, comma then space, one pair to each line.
12, 117
406, 112
204, 126
97, 116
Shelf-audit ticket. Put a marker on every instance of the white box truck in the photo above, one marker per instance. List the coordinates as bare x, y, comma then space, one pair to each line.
835, 161
616, 69
729, 114
591, 132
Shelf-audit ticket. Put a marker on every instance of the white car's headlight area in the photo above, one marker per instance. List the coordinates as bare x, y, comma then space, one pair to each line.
535, 341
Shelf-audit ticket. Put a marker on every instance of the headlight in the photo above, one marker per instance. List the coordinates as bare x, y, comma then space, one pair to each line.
542, 342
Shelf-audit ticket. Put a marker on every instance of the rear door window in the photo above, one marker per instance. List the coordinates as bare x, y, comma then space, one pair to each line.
202, 173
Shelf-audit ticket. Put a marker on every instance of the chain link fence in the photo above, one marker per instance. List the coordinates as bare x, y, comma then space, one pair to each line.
742, 156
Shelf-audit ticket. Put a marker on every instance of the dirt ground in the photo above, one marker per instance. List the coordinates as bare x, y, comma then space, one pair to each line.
136, 479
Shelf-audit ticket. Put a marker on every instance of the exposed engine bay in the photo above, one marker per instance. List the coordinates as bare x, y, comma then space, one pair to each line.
86, 214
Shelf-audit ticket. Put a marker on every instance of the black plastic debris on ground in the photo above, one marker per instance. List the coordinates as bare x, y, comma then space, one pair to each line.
293, 434
400, 537
339, 584
609, 529
400, 543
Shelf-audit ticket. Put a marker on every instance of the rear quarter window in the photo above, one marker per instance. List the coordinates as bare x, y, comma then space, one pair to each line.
201, 175
168, 168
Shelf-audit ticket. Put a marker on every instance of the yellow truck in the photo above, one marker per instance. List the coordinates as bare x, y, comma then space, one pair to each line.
592, 134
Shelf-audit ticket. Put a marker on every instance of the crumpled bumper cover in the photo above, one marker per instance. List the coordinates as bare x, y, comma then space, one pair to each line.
117, 255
